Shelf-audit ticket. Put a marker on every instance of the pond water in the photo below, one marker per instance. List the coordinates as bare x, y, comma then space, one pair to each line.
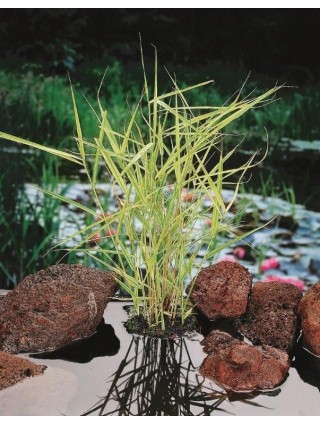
290, 233
119, 374
296, 163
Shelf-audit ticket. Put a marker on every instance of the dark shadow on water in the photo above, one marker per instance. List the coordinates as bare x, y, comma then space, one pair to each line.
307, 365
205, 326
158, 378
102, 343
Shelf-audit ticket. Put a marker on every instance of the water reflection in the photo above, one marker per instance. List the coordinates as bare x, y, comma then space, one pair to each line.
158, 378
102, 343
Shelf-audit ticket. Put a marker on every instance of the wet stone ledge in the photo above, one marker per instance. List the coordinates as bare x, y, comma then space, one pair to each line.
3, 293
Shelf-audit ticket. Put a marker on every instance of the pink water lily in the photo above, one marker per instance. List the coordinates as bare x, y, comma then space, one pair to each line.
287, 279
110, 232
229, 258
269, 263
239, 252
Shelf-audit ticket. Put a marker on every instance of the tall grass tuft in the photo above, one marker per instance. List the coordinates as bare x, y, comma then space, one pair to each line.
158, 157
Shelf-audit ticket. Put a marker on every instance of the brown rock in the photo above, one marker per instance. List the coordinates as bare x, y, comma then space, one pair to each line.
54, 307
14, 369
272, 318
238, 366
222, 290
309, 311
216, 339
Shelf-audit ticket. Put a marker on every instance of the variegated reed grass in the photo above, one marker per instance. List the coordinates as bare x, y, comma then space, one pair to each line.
162, 152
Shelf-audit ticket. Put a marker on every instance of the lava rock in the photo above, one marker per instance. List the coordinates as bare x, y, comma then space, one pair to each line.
54, 307
222, 290
238, 366
309, 311
216, 339
272, 315
14, 369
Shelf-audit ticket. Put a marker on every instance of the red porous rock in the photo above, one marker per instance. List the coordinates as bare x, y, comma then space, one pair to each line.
14, 369
238, 366
271, 317
222, 290
309, 311
54, 307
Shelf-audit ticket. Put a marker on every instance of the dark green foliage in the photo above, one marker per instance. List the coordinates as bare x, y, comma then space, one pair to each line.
38, 107
279, 42
27, 227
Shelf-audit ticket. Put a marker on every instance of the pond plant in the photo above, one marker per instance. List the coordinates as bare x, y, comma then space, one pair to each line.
157, 161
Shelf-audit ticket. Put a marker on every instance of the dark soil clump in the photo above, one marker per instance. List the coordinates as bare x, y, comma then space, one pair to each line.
137, 324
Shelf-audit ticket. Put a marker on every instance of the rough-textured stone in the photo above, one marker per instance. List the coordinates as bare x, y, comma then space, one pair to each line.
14, 369
222, 290
271, 317
238, 366
54, 307
309, 311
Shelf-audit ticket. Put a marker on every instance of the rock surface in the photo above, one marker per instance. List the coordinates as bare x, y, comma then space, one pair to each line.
238, 366
309, 311
222, 290
14, 369
54, 307
271, 317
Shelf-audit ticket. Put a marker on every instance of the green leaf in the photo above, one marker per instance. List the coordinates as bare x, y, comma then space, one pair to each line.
52, 151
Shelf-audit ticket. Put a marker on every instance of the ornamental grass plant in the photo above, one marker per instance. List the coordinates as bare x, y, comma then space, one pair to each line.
157, 162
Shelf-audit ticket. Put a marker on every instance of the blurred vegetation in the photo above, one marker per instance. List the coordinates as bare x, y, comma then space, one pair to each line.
281, 43
28, 225
37, 106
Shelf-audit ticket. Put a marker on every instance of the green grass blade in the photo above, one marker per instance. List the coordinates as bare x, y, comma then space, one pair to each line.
58, 153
